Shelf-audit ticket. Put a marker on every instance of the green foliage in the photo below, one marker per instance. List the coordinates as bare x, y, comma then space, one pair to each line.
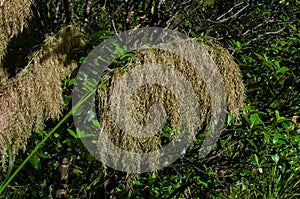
256, 158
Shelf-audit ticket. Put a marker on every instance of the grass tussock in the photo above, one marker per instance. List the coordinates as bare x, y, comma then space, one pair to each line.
13, 18
148, 95
3, 76
35, 94
3, 46
232, 77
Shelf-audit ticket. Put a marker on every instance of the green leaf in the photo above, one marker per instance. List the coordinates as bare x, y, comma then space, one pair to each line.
126, 55
100, 58
230, 119
10, 157
275, 158
82, 134
152, 9
153, 176
67, 99
205, 184
267, 137
247, 107
277, 64
166, 135
72, 81
167, 129
279, 118
82, 59
254, 159
259, 56
118, 51
41, 133
279, 139
285, 126
118, 189
35, 161
90, 85
137, 182
72, 133
58, 146
282, 70
78, 111
91, 115
96, 123
255, 120
266, 57
253, 144
212, 173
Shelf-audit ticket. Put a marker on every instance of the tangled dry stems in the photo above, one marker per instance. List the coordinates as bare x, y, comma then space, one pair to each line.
13, 18
145, 97
13, 15
232, 77
35, 94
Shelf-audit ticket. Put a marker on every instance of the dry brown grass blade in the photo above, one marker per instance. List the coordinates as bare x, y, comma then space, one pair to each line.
35, 94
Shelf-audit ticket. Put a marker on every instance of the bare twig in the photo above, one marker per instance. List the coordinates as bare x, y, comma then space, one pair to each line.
130, 13
231, 17
266, 33
113, 24
220, 17
169, 22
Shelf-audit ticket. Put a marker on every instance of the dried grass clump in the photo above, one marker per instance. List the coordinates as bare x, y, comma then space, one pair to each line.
35, 94
3, 48
13, 18
3, 76
3, 45
232, 77
148, 95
